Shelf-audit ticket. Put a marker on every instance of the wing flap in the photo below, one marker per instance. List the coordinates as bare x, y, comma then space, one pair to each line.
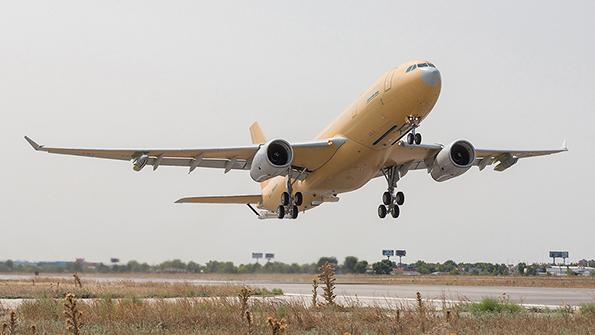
226, 199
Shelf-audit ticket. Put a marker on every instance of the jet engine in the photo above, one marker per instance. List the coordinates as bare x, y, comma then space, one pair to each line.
453, 160
272, 159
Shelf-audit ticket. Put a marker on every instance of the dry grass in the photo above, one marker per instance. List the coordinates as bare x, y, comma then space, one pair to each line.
58, 288
463, 280
221, 316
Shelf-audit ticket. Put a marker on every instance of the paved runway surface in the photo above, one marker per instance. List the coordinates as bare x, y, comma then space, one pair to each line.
524, 295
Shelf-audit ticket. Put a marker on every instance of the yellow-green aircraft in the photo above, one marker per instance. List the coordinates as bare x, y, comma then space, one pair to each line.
376, 136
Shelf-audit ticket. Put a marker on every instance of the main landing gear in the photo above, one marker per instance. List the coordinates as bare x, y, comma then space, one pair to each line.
290, 202
413, 136
391, 200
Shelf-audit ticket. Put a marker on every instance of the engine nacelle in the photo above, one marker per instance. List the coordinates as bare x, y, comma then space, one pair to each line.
272, 159
453, 160
139, 162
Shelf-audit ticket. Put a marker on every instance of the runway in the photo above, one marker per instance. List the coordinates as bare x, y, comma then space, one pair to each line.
371, 294
551, 297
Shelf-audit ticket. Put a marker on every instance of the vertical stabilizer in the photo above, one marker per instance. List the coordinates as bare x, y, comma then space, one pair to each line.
257, 134
258, 138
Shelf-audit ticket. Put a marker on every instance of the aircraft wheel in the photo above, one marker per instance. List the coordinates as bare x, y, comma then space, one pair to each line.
382, 211
417, 138
410, 138
387, 198
294, 212
299, 198
281, 212
285, 199
395, 211
400, 198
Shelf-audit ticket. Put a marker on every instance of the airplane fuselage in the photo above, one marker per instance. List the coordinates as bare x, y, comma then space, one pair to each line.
372, 126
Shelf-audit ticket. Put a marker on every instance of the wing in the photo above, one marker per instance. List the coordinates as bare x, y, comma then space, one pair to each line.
226, 199
414, 157
308, 155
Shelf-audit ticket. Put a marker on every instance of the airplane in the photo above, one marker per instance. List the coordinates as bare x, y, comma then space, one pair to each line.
375, 137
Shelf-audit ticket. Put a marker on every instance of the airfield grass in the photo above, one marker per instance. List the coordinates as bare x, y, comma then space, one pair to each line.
215, 316
57, 288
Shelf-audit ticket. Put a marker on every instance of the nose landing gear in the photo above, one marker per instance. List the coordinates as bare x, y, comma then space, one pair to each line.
391, 200
413, 136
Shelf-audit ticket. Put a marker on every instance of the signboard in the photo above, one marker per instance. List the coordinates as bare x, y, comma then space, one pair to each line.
401, 253
114, 260
269, 256
559, 254
257, 255
388, 253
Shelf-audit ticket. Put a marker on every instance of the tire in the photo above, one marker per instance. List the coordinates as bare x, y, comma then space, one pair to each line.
299, 198
294, 212
410, 138
400, 198
417, 138
281, 212
394, 212
284, 199
382, 211
387, 198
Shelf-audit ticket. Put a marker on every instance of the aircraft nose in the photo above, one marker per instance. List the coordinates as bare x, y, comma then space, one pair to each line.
430, 76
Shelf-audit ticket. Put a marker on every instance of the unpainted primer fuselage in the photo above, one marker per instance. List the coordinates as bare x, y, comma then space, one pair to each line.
372, 126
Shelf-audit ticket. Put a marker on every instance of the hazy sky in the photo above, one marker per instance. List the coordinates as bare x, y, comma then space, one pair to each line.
196, 74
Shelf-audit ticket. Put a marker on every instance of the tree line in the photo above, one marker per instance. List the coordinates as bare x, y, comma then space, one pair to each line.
350, 264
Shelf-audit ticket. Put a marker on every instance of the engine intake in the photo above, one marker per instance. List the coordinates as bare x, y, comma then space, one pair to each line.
272, 159
453, 160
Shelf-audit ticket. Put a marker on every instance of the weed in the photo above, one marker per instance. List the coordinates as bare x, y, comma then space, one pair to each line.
244, 295
277, 326
72, 314
77, 280
314, 293
11, 327
327, 277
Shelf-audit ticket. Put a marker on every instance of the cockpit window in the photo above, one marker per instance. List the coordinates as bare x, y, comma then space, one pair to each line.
415, 66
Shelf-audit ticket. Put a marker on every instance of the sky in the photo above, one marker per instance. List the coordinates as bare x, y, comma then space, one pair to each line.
188, 74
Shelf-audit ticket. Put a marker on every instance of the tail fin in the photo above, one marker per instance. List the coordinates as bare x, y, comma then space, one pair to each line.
258, 138
257, 134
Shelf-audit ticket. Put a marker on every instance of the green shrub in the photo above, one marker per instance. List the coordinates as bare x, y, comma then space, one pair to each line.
492, 305
587, 309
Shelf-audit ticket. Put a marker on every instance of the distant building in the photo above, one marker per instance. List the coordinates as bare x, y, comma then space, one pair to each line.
563, 270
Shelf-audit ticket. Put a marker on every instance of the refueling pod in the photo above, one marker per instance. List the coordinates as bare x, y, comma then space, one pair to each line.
139, 162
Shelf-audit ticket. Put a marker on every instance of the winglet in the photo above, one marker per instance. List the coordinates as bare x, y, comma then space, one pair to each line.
564, 146
33, 144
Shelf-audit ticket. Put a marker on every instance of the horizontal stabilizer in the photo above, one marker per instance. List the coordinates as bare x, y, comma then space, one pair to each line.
226, 199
